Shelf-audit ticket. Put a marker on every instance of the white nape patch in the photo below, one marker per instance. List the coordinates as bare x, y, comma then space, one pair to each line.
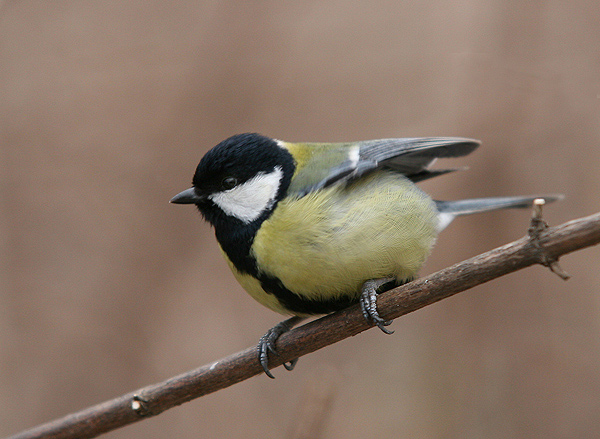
249, 200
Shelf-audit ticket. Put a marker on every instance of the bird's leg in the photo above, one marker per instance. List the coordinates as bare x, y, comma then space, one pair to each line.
267, 343
368, 301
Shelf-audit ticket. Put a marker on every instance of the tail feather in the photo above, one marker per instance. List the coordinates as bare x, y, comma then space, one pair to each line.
451, 209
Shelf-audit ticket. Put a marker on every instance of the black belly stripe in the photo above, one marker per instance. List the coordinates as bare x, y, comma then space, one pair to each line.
298, 304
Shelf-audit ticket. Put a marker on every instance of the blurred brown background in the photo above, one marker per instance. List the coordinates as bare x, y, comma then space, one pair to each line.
106, 108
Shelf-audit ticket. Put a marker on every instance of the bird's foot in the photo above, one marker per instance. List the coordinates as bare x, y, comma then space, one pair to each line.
368, 302
267, 342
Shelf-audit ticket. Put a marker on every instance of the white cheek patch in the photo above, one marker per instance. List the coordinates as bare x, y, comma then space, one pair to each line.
249, 200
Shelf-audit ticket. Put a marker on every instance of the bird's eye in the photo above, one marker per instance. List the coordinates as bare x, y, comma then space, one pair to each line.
229, 183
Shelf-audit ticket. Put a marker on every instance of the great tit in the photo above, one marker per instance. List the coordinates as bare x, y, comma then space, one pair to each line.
312, 228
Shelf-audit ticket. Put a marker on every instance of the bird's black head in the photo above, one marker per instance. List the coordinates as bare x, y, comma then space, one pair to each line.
240, 181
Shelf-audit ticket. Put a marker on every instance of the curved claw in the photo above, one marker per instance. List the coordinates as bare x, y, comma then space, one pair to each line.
291, 364
267, 342
368, 303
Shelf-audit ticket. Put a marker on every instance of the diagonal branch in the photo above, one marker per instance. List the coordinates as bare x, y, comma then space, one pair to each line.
542, 246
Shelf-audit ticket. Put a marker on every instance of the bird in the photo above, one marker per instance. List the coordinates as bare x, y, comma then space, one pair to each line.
312, 228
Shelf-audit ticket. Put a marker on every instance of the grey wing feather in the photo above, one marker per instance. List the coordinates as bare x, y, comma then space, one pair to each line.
347, 161
412, 156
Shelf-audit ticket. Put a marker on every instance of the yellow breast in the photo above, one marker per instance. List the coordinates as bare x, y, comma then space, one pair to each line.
328, 243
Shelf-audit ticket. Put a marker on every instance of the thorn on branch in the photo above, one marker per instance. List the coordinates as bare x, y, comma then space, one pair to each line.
140, 405
536, 227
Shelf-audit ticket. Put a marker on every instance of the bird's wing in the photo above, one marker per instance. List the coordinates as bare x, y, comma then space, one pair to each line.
319, 165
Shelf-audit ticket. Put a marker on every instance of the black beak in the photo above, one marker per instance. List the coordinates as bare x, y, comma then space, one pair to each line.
188, 196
